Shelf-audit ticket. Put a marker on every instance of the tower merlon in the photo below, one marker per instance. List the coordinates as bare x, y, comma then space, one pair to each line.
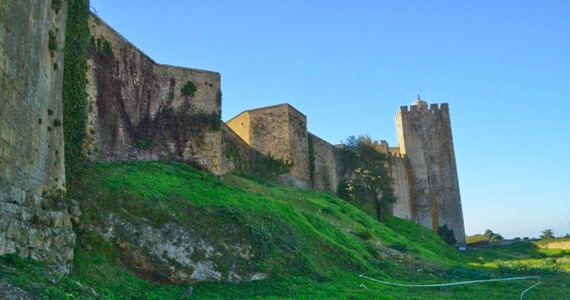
415, 108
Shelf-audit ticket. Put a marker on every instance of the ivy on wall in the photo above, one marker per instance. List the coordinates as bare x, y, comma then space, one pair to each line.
267, 168
74, 94
311, 159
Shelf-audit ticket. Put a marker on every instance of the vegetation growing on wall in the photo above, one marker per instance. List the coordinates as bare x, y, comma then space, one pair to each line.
74, 94
212, 120
242, 165
143, 144
254, 164
311, 150
219, 97
367, 181
56, 5
268, 168
52, 41
189, 88
447, 235
102, 45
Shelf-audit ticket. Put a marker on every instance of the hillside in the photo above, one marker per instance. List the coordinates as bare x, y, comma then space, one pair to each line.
149, 228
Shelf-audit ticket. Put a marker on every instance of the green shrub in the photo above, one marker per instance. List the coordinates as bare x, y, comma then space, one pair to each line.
143, 144
56, 5
189, 88
399, 247
365, 234
108, 49
447, 235
52, 41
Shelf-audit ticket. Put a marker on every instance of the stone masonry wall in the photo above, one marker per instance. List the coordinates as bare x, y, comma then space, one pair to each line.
400, 183
138, 110
325, 173
424, 136
299, 148
281, 132
34, 220
237, 154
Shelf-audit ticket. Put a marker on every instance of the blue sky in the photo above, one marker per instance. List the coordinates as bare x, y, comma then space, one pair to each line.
503, 67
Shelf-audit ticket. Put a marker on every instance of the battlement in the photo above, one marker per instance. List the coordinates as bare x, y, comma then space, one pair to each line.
397, 155
433, 107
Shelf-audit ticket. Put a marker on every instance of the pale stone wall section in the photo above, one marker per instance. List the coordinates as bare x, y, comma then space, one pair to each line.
325, 172
299, 148
138, 111
241, 126
237, 154
400, 183
281, 132
34, 220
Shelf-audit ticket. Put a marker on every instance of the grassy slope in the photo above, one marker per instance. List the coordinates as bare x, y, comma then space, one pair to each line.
314, 244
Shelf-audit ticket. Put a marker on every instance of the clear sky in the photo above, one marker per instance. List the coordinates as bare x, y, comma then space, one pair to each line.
503, 67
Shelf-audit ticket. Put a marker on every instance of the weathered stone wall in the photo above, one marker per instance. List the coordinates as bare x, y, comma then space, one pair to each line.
138, 110
237, 154
400, 183
34, 220
324, 174
281, 132
424, 136
299, 149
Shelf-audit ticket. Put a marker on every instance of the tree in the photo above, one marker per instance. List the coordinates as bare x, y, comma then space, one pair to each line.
367, 177
496, 237
547, 234
490, 236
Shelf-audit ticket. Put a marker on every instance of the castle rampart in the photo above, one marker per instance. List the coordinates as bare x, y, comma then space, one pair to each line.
399, 172
324, 173
281, 132
238, 156
140, 110
34, 219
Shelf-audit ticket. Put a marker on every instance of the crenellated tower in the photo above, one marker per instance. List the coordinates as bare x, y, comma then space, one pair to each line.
425, 139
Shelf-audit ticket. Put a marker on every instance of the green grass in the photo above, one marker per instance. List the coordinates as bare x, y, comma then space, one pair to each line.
313, 245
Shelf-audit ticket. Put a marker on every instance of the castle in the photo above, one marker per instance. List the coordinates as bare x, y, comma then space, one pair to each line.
141, 110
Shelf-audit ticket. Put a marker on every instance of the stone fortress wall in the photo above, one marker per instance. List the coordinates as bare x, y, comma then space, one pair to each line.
139, 110
279, 131
34, 219
400, 174
323, 170
423, 170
